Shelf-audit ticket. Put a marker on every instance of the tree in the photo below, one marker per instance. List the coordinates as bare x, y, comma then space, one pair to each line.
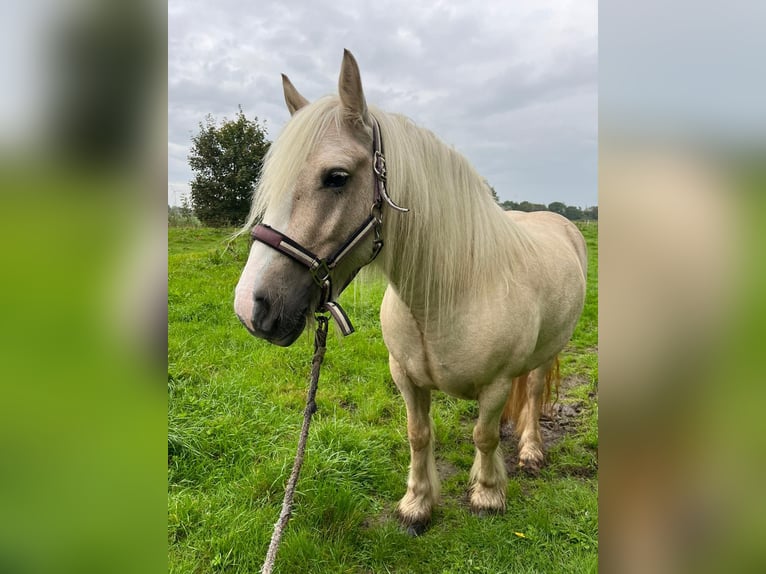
573, 213
226, 161
527, 206
557, 207
508, 205
492, 192
591, 213
494, 195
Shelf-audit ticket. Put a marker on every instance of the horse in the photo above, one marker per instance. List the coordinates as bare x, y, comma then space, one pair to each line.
479, 302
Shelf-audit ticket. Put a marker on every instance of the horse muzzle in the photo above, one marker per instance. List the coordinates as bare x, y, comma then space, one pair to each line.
278, 317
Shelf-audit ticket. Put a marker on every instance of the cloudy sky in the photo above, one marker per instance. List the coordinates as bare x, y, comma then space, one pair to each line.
512, 85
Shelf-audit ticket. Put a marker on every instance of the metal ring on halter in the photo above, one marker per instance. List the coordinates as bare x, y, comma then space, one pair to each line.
379, 160
376, 212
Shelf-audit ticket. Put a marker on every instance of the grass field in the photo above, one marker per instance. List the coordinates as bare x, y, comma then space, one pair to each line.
235, 410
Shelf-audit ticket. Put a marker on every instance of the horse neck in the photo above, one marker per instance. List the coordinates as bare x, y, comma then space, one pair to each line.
454, 239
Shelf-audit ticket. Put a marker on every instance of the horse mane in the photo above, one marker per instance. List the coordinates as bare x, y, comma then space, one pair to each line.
455, 236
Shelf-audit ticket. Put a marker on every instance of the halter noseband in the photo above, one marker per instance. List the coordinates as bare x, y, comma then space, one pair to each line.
321, 269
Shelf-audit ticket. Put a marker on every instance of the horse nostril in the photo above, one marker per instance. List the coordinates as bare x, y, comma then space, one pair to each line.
261, 309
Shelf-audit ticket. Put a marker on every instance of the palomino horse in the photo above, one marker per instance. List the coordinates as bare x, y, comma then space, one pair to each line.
479, 302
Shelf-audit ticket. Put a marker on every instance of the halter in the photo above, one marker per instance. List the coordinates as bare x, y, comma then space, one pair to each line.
321, 269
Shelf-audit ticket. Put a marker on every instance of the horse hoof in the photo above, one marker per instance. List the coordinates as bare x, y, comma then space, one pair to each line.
417, 528
484, 501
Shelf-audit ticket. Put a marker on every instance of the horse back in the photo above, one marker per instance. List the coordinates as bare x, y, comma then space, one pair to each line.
551, 230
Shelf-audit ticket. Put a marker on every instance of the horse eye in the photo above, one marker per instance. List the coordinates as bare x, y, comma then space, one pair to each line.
335, 179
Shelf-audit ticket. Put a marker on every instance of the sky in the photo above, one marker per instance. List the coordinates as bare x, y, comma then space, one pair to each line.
511, 85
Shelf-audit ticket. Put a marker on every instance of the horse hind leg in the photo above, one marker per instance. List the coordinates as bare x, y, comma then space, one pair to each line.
422, 495
529, 394
488, 476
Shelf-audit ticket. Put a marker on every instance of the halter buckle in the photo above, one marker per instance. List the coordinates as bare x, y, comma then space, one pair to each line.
379, 165
320, 273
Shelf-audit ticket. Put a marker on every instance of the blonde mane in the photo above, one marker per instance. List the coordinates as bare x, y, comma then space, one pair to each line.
455, 236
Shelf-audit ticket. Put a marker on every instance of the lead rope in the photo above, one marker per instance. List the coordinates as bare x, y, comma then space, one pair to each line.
320, 343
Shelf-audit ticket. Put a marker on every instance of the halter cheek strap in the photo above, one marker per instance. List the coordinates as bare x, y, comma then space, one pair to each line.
321, 269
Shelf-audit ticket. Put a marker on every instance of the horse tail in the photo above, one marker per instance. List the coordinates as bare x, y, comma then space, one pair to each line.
517, 398
552, 381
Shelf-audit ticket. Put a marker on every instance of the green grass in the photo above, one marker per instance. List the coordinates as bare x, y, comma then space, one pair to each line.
235, 410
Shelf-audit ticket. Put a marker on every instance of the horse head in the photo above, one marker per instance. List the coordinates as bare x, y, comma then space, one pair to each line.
316, 188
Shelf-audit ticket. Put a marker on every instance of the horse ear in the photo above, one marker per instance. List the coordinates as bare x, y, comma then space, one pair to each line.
350, 89
293, 99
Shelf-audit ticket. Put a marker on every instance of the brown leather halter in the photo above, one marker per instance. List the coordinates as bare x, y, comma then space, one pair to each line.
321, 269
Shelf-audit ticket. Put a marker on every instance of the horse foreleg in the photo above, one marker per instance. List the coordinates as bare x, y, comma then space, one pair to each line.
488, 476
415, 507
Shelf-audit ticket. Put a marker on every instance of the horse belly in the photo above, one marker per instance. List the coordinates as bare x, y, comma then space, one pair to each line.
480, 346
460, 366
429, 372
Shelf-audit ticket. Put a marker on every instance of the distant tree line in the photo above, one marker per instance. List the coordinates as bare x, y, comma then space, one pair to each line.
571, 212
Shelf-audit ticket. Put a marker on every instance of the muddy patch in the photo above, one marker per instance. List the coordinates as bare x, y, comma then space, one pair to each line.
560, 420
446, 469
557, 421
